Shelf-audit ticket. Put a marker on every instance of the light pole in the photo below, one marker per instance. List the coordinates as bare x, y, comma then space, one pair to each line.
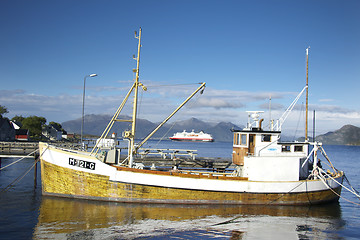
83, 104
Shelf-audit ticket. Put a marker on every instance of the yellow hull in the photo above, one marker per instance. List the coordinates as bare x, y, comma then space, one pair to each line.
66, 182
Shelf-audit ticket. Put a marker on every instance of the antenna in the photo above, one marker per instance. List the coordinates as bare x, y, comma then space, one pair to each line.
270, 121
307, 94
314, 126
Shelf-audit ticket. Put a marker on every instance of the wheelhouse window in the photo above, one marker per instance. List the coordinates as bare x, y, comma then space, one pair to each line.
298, 148
240, 139
236, 139
243, 139
266, 138
285, 148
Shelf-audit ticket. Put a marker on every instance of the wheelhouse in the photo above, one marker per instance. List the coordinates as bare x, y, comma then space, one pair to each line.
260, 155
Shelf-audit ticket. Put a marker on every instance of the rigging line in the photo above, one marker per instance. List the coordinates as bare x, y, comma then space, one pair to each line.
18, 160
300, 116
165, 134
171, 85
19, 178
172, 126
326, 163
196, 98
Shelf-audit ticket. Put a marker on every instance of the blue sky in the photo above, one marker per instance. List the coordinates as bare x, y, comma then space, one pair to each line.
244, 50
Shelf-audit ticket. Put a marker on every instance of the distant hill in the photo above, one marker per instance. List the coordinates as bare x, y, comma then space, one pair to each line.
95, 125
347, 135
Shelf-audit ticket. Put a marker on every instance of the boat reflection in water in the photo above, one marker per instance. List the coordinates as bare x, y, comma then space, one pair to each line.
73, 219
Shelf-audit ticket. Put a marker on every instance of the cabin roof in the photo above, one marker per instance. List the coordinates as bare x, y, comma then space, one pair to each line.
255, 131
294, 143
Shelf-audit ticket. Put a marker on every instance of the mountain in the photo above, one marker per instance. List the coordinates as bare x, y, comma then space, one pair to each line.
222, 131
347, 135
95, 125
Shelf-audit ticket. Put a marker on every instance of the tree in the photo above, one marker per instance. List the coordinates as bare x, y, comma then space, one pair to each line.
34, 124
3, 110
56, 125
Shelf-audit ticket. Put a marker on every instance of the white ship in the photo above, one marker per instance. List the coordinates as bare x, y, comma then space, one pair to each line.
192, 136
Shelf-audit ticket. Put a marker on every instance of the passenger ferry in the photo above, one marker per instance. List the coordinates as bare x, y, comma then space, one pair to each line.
192, 136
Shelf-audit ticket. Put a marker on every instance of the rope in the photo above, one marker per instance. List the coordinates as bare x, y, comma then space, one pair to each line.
353, 192
19, 160
22, 176
19, 178
341, 196
286, 193
323, 180
350, 185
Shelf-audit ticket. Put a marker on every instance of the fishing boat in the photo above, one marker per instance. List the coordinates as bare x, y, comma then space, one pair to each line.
264, 170
192, 136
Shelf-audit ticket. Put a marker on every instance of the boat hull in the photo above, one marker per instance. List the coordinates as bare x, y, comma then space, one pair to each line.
61, 177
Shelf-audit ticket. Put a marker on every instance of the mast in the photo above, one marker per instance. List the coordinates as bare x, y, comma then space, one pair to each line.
133, 122
307, 94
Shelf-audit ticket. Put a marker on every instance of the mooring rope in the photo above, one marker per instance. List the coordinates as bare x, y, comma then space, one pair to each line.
329, 176
327, 185
19, 160
347, 180
19, 178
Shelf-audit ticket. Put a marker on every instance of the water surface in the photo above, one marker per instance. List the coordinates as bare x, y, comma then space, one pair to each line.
26, 214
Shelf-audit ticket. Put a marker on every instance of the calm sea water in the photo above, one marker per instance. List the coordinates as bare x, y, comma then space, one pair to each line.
25, 214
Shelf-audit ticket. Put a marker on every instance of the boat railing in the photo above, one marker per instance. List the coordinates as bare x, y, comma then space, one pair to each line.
165, 153
211, 174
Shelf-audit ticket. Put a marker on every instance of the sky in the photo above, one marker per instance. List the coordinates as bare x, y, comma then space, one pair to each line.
245, 51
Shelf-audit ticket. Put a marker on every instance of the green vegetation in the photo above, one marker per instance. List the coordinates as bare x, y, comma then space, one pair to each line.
34, 124
57, 126
18, 119
3, 110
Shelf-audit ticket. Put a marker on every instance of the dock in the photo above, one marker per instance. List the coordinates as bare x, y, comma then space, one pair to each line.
17, 149
21, 149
